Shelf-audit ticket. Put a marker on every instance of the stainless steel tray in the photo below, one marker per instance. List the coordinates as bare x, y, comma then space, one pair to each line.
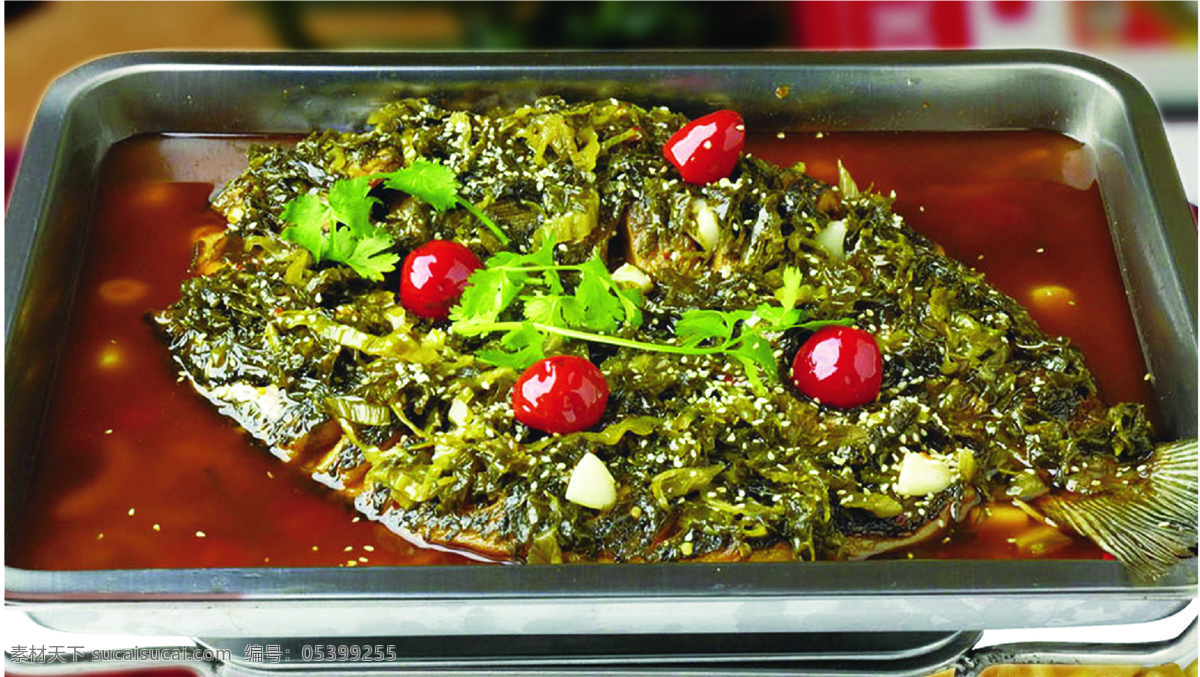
93, 107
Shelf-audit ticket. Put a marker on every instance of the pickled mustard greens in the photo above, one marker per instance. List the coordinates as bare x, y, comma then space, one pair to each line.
710, 458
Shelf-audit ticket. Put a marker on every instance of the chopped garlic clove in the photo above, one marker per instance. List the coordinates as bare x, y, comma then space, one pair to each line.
629, 275
833, 239
459, 413
591, 485
921, 475
708, 231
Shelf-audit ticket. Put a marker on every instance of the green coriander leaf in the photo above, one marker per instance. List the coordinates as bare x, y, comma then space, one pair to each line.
338, 228
350, 204
341, 244
595, 268
544, 309
789, 293
503, 260
775, 317
314, 221
754, 347
371, 258
560, 311
499, 358
754, 352
364, 254
754, 375
490, 291
553, 281
544, 254
524, 347
768, 315
506, 291
697, 326
601, 310
436, 184
631, 300
308, 215
432, 182
542, 257
574, 313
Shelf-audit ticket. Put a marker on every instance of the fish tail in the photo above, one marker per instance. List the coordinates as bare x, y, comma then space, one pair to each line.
1149, 527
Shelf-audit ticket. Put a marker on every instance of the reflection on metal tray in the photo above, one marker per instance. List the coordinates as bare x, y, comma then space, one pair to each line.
883, 653
92, 108
1172, 641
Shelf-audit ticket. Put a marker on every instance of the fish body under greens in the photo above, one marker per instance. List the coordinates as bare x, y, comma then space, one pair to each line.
403, 416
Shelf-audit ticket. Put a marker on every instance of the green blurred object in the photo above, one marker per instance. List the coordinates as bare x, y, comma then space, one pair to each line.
528, 25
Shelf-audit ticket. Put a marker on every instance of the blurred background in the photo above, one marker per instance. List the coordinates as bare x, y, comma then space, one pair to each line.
1156, 41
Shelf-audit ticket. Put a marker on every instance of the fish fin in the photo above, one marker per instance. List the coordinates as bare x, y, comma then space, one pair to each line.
1148, 528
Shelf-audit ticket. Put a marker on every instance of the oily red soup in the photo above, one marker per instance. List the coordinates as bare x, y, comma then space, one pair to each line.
134, 470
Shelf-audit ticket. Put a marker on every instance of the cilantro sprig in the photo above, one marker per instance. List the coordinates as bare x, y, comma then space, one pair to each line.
597, 307
337, 226
594, 308
741, 333
436, 184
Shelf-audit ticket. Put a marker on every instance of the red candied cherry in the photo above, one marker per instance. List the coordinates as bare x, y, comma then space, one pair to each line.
840, 366
560, 394
707, 148
433, 277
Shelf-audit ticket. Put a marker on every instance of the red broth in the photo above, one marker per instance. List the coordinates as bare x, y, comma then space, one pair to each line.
134, 470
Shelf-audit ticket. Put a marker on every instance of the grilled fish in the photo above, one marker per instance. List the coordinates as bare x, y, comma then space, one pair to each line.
329, 372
